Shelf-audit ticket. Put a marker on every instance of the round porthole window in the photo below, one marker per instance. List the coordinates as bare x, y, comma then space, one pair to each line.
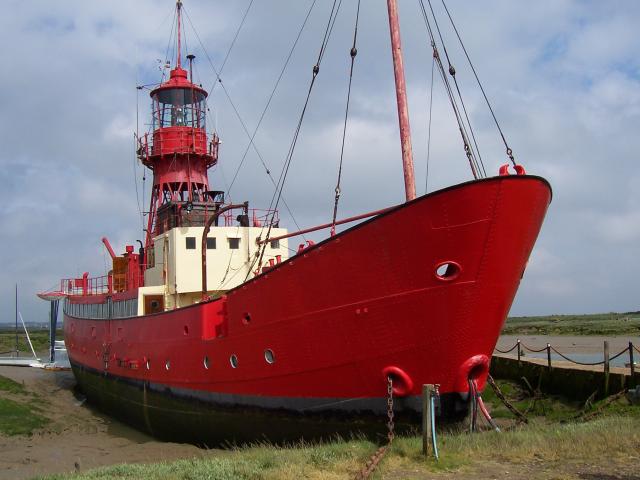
234, 361
167, 364
148, 364
447, 271
246, 318
205, 362
268, 356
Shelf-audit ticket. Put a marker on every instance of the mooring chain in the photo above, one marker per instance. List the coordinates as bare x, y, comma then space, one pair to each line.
376, 458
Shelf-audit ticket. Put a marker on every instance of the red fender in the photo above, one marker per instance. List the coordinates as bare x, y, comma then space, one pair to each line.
402, 383
474, 368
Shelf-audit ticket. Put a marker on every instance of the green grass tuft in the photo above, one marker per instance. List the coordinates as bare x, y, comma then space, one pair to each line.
11, 386
19, 419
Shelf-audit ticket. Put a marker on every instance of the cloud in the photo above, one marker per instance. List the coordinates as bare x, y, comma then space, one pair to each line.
563, 77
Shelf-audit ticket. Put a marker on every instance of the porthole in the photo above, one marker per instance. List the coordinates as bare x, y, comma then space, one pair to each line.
268, 356
246, 318
205, 362
147, 364
447, 271
233, 359
186, 330
167, 364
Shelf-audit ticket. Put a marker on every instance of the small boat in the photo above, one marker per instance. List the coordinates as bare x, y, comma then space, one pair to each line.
213, 332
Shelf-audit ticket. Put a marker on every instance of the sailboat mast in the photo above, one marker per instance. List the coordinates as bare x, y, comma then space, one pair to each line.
16, 330
401, 96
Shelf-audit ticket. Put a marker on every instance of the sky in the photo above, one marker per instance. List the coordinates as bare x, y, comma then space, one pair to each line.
563, 78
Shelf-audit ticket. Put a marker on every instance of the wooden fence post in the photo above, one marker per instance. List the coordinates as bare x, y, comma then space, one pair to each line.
427, 440
606, 368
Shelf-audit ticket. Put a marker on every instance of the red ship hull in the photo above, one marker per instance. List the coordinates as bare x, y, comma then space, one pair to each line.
337, 318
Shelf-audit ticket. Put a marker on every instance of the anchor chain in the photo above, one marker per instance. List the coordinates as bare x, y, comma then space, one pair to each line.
376, 458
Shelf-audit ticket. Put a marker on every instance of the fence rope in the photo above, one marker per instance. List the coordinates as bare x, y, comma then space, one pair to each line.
533, 350
590, 364
507, 351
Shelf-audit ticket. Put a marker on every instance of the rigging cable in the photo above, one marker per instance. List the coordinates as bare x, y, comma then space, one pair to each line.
233, 106
166, 57
452, 72
426, 181
461, 125
285, 169
264, 111
233, 42
353, 52
475, 74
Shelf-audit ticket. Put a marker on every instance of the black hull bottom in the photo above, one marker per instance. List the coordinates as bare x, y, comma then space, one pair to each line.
171, 417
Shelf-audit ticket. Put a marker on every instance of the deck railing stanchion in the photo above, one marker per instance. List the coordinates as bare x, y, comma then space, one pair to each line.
632, 367
519, 353
549, 355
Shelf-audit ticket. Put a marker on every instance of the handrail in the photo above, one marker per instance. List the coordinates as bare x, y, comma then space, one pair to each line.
207, 227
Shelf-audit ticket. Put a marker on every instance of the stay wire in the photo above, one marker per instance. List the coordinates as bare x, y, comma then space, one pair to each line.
233, 106
264, 111
426, 181
452, 72
166, 56
233, 42
461, 126
287, 164
475, 74
353, 52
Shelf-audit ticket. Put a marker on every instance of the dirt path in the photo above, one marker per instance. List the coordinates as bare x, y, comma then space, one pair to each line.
77, 437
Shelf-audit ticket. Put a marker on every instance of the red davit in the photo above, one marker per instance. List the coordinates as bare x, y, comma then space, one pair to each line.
305, 346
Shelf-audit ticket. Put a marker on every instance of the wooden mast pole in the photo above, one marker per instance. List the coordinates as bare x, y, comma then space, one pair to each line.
401, 96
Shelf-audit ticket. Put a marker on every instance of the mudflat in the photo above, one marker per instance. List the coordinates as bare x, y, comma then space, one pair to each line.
77, 437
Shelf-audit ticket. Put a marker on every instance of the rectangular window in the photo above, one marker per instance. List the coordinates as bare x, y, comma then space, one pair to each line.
275, 244
234, 243
190, 243
211, 243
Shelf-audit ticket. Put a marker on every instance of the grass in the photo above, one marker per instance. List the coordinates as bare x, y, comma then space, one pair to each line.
607, 438
19, 409
17, 418
553, 439
594, 324
39, 338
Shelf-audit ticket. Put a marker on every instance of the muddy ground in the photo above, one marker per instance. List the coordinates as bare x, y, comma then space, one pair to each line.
78, 437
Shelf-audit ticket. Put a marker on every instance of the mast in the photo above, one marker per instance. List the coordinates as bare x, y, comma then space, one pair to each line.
17, 351
401, 96
178, 8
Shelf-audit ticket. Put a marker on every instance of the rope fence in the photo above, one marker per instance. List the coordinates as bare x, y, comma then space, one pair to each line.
521, 348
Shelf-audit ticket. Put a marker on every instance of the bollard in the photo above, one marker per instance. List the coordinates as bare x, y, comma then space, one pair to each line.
632, 367
427, 441
519, 353
606, 368
549, 355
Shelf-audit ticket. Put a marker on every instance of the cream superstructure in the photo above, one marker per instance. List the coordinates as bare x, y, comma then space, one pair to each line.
176, 259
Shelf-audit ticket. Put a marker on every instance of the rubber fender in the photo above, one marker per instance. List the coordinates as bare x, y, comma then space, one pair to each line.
476, 368
402, 383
